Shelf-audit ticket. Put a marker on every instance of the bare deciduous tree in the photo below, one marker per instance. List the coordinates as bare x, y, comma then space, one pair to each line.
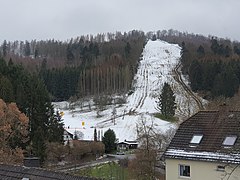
152, 142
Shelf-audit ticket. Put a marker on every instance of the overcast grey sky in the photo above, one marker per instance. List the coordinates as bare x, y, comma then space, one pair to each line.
63, 19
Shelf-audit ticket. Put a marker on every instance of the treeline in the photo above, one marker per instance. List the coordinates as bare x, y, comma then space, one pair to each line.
74, 51
213, 68
218, 78
32, 98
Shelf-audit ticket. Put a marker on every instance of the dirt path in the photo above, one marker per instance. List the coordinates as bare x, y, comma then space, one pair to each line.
177, 76
144, 89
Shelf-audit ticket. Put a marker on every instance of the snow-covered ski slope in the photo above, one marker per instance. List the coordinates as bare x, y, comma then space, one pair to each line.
159, 58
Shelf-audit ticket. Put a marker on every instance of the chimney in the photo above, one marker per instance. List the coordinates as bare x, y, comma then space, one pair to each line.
223, 113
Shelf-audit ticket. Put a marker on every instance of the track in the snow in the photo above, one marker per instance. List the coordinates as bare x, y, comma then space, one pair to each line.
178, 78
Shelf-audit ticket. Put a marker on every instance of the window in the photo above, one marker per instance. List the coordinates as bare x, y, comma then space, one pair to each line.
196, 139
229, 140
184, 170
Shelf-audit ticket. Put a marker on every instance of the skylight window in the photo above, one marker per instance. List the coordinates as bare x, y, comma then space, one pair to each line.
229, 140
196, 139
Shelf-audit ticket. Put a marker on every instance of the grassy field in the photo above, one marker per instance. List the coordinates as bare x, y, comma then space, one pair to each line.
110, 170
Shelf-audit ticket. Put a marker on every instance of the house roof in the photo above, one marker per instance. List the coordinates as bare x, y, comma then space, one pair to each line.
66, 132
129, 142
214, 127
19, 172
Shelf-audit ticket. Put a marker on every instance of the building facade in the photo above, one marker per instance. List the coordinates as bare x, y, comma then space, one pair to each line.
201, 170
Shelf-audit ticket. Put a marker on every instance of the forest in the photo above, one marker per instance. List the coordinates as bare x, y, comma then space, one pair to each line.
83, 66
106, 63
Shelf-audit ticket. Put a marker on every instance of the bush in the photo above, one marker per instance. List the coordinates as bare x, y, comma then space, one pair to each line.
56, 152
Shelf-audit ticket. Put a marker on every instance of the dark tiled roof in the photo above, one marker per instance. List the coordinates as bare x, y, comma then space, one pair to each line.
214, 126
19, 172
129, 142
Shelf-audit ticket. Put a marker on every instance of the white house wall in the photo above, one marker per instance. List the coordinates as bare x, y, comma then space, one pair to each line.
200, 170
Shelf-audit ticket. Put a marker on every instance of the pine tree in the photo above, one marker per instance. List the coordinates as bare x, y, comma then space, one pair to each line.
154, 38
55, 127
4, 48
27, 49
227, 51
38, 144
215, 46
95, 134
195, 75
201, 50
3, 67
225, 83
69, 54
6, 89
127, 49
167, 103
109, 140
41, 117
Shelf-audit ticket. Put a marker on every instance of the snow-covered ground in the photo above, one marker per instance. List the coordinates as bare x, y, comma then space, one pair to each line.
159, 58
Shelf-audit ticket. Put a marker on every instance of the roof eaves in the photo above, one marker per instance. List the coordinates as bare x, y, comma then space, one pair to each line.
233, 158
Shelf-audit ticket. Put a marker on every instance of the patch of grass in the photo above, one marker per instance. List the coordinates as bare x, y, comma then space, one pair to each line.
165, 118
110, 170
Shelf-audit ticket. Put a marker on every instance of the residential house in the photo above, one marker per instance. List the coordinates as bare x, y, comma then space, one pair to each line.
127, 145
205, 147
67, 137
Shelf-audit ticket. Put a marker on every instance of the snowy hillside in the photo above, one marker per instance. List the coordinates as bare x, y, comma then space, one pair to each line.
157, 65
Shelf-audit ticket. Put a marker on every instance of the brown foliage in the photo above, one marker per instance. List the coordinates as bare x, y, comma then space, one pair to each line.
11, 156
79, 149
143, 166
231, 104
13, 123
82, 148
97, 147
56, 152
